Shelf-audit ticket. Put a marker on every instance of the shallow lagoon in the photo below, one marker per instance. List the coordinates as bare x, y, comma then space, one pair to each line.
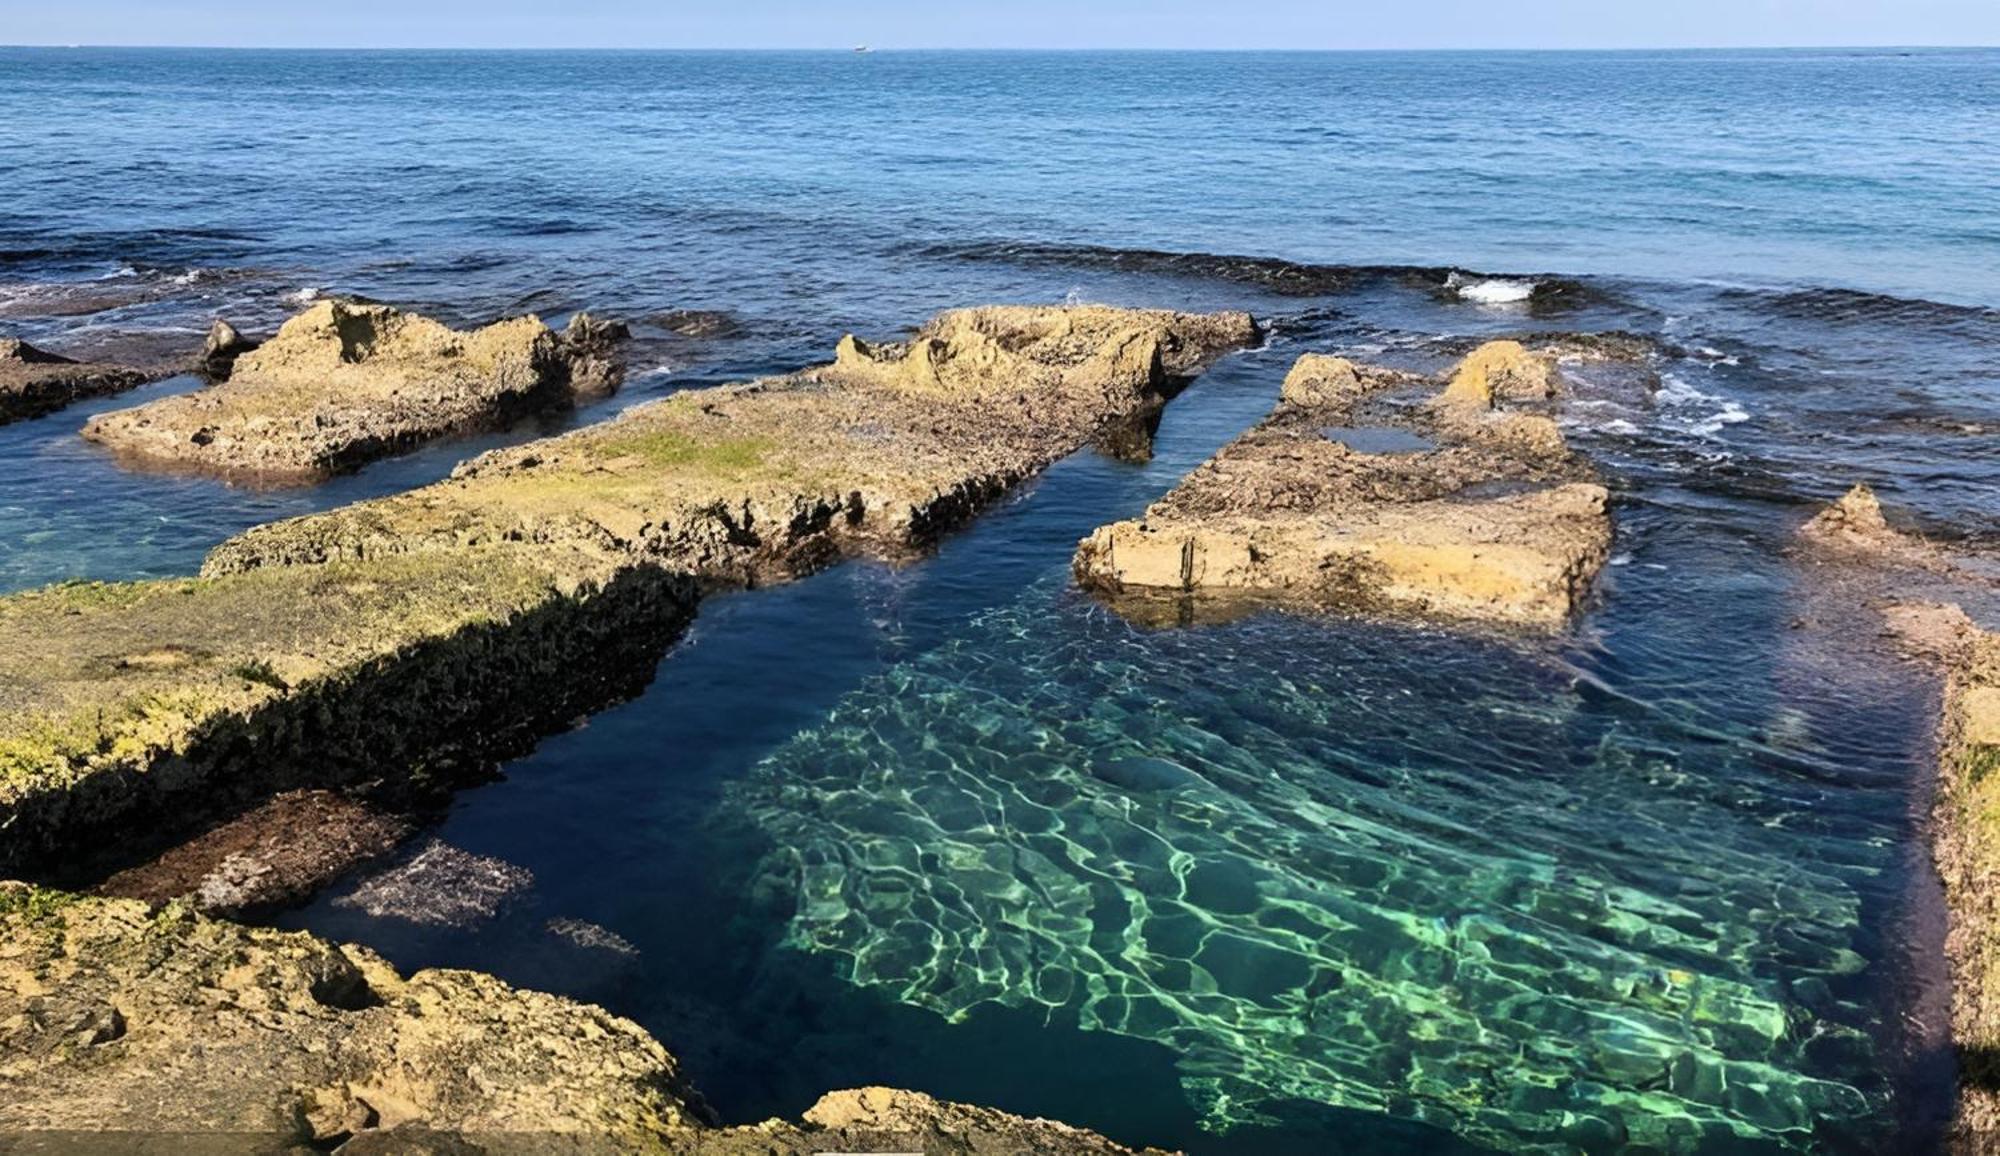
1267, 885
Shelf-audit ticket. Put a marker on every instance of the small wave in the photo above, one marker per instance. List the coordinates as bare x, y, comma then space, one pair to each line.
1853, 306
305, 296
1491, 290
1715, 412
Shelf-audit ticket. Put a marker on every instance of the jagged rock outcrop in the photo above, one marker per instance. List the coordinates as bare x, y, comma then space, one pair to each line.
877, 453
344, 383
1364, 489
34, 381
439, 628
116, 1018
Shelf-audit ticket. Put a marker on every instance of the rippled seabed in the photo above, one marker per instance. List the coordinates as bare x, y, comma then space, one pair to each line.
1359, 867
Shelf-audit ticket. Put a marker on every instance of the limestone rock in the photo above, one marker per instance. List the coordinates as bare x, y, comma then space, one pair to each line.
115, 1018
1500, 371
34, 381
1318, 380
344, 383
1485, 516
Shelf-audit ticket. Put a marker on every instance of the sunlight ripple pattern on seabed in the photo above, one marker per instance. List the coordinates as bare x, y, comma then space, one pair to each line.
1516, 916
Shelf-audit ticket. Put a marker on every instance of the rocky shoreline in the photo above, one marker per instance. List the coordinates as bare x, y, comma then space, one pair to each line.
401, 645
215, 748
1370, 489
325, 675
35, 381
194, 1034
1920, 589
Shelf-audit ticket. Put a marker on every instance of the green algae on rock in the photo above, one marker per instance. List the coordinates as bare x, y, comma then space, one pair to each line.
877, 453
34, 381
1486, 515
342, 384
401, 642
117, 1019
183, 698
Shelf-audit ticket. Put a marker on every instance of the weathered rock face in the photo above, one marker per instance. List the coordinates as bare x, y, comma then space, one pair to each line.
115, 1018
342, 384
1361, 490
34, 381
439, 628
1965, 845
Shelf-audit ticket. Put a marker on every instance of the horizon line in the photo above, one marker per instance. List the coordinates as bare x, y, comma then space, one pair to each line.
866, 49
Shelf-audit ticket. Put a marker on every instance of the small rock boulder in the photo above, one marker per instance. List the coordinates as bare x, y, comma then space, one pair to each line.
219, 353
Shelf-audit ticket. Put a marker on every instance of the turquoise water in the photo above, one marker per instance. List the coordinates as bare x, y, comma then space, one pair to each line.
1278, 885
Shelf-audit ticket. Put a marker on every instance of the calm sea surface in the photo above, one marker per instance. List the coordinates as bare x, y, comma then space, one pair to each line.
1283, 885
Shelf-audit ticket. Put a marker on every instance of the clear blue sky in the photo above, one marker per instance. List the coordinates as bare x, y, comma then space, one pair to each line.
1004, 23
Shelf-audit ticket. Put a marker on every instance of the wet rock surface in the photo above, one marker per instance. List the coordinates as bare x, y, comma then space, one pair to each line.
221, 349
440, 885
1373, 489
119, 1022
344, 383
35, 381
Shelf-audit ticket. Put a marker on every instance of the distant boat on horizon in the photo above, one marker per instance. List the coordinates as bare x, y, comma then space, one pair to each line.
862, 48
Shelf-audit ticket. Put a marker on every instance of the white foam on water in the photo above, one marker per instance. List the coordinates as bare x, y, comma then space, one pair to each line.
305, 296
1715, 412
1491, 290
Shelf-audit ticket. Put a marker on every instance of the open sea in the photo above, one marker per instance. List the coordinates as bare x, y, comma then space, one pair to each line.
1284, 885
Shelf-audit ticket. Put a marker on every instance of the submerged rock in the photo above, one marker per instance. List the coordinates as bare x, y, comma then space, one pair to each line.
276, 855
1487, 515
34, 381
442, 628
115, 1018
701, 324
441, 886
344, 383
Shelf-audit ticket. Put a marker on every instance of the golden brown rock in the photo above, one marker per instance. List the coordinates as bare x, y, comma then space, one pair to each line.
116, 1020
342, 384
1353, 495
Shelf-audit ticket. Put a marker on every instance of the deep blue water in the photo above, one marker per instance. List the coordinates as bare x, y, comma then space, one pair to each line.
1278, 885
